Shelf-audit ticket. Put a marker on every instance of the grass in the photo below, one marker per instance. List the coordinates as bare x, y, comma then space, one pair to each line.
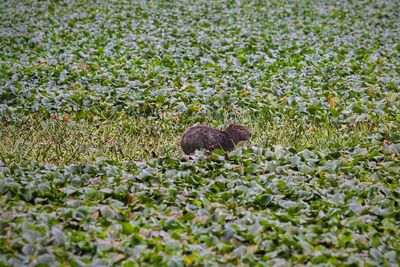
65, 141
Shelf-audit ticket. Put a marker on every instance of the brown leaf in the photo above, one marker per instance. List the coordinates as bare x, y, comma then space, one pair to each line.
175, 214
132, 199
201, 219
119, 65
284, 101
144, 232
386, 142
73, 86
65, 118
116, 257
252, 249
83, 66
96, 180
95, 214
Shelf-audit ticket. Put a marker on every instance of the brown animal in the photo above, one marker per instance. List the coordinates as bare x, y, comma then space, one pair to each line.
204, 137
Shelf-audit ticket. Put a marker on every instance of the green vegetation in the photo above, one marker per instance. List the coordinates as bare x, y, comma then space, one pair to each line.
88, 90
65, 142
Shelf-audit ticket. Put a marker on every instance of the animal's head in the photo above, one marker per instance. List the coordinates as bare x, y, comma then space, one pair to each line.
239, 132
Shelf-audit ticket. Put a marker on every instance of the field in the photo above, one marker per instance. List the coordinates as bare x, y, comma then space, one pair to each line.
91, 90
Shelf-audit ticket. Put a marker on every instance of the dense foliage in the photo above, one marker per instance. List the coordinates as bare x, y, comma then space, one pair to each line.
320, 58
277, 206
335, 62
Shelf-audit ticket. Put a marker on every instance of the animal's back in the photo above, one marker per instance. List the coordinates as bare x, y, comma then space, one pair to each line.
199, 137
